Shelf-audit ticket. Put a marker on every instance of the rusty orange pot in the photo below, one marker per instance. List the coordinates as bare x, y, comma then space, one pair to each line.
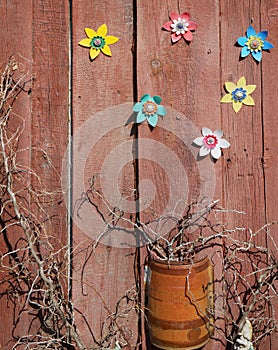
179, 299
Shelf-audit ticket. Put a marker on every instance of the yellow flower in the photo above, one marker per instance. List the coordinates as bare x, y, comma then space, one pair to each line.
98, 41
239, 94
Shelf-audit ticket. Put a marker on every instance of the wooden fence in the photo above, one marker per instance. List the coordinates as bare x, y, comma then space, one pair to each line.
67, 90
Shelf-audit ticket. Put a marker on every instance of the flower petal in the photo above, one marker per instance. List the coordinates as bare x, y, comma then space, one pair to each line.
140, 117
153, 119
216, 152
230, 86
137, 107
110, 39
186, 16
102, 30
199, 141
157, 99
223, 143
146, 98
267, 45
257, 55
242, 40
249, 101
250, 88
161, 110
188, 36
218, 134
206, 131
241, 82
227, 98
175, 37
94, 53
262, 35
204, 151
245, 51
106, 50
90, 33
174, 15
85, 42
251, 31
237, 106
167, 26
192, 25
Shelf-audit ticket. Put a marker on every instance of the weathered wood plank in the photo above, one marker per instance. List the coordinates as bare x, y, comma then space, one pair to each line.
243, 187
243, 168
50, 105
187, 77
37, 35
16, 40
269, 94
104, 276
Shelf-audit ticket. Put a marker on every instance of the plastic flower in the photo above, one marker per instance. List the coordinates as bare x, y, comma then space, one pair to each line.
239, 94
211, 142
149, 108
254, 43
180, 26
98, 41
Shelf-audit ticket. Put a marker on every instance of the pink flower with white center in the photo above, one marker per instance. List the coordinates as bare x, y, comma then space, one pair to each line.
180, 26
211, 142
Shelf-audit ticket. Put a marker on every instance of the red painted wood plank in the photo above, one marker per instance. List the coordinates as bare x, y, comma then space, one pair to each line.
243, 172
269, 22
103, 280
187, 77
50, 104
37, 35
16, 40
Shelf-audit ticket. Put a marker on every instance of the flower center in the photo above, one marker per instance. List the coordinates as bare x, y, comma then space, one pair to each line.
210, 141
179, 26
97, 42
239, 94
255, 43
149, 107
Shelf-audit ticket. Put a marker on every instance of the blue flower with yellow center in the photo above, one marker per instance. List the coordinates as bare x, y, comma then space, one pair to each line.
254, 43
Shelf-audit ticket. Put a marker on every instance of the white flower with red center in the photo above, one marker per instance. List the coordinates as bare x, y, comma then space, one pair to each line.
211, 142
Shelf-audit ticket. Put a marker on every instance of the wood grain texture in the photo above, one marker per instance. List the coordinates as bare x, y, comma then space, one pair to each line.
269, 94
187, 77
15, 41
243, 168
36, 34
50, 105
244, 176
190, 79
104, 276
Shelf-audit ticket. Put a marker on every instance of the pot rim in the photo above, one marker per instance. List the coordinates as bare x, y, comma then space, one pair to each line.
152, 260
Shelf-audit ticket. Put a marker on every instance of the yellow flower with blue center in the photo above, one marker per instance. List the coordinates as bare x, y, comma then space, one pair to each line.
239, 94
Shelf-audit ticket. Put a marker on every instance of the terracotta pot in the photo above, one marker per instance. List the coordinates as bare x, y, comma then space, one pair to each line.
178, 300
